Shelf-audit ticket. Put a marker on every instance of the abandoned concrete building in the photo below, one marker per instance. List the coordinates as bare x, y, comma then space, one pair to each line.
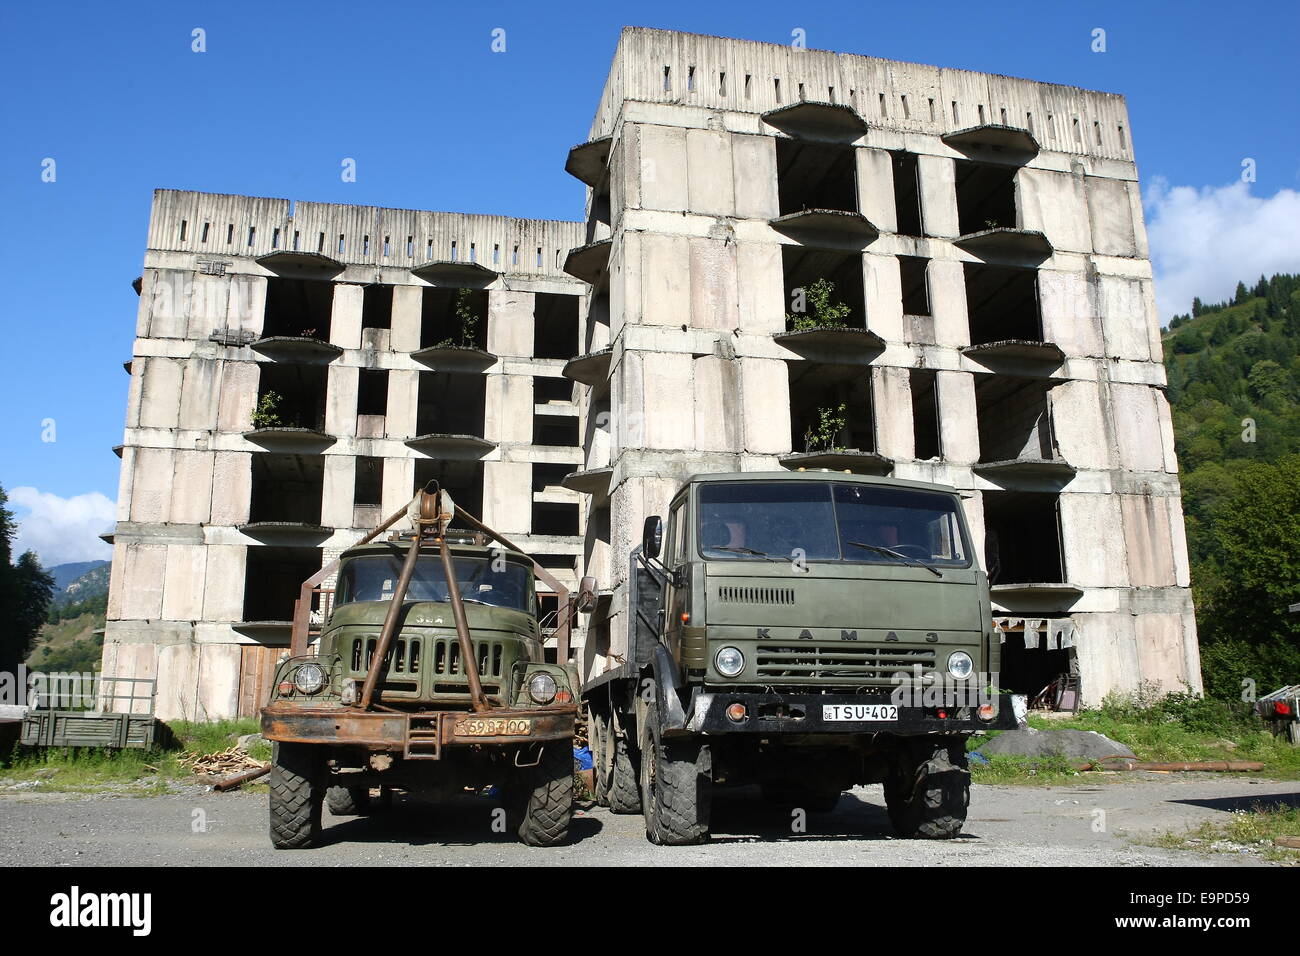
789, 259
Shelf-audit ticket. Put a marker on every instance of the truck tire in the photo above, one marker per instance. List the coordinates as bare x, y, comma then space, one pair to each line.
296, 796
598, 740
348, 801
814, 801
676, 787
624, 786
927, 789
540, 800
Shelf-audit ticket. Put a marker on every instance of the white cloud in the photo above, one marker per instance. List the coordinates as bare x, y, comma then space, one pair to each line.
1204, 241
60, 530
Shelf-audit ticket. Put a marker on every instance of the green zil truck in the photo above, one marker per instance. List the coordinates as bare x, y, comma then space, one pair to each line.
806, 632
428, 675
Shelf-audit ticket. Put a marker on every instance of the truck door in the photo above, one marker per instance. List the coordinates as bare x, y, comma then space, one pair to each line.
675, 598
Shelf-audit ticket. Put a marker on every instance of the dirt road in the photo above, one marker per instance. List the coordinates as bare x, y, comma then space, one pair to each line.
1092, 823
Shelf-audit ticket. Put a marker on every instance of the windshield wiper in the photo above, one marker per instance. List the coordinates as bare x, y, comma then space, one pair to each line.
914, 562
744, 550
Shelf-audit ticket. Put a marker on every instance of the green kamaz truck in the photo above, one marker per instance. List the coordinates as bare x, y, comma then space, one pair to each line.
806, 632
427, 675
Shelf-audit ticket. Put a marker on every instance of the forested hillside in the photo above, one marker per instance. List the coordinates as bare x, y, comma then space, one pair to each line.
1234, 384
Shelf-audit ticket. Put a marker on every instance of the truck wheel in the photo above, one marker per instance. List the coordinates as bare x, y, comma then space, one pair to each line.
348, 801
624, 788
676, 787
598, 734
814, 801
540, 801
296, 796
927, 788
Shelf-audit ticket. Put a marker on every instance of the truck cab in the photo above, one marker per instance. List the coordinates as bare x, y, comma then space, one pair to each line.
806, 631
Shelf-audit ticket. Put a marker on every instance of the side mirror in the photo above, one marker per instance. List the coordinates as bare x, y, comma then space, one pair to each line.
652, 537
586, 600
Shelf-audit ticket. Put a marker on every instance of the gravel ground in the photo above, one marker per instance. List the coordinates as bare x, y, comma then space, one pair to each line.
1008, 826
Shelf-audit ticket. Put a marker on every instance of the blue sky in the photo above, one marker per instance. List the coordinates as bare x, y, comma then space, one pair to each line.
436, 120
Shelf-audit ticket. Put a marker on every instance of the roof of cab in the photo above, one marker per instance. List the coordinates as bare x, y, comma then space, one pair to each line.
821, 474
460, 550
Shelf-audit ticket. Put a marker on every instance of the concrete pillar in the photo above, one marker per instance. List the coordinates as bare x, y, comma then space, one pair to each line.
399, 485
947, 281
938, 195
239, 387
891, 403
765, 398
709, 174
884, 296
337, 487
753, 161
760, 289
508, 496
345, 319
403, 399
184, 582
958, 428
876, 188
510, 322
508, 414
232, 487
405, 332
191, 494
223, 594
151, 485
159, 389
341, 401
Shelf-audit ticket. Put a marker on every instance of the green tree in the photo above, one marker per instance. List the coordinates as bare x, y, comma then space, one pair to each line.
25, 593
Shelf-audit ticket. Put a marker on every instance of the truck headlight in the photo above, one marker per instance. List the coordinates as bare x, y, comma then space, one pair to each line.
541, 688
960, 666
309, 678
729, 662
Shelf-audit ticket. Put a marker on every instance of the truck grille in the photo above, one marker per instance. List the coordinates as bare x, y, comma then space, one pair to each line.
840, 662
406, 656
733, 594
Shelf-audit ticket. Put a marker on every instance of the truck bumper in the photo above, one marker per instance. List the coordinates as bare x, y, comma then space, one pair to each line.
774, 714
422, 735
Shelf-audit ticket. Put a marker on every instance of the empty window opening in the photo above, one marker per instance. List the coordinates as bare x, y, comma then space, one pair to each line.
801, 95
252, 236
473, 253
455, 253
803, 266
815, 176
496, 253
748, 80
1002, 304
722, 84
1078, 133
230, 233
410, 247
1022, 537
462, 480
778, 90
668, 78
830, 407
296, 236
299, 308
907, 113
955, 117
1004, 116
597, 316
386, 247
184, 226
555, 508
830, 91
272, 579
555, 416
907, 194
428, 249
690, 79
372, 403
1031, 663
1123, 144
275, 238
931, 100
1014, 419
291, 396
342, 242
286, 488
986, 197
925, 415
376, 308
450, 403
320, 243
980, 109
1029, 122
367, 492
1051, 126
453, 317
555, 326
538, 263
203, 236
916, 290
514, 257
884, 108
1096, 128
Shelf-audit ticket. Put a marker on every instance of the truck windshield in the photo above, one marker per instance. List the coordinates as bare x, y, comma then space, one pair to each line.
829, 521
374, 578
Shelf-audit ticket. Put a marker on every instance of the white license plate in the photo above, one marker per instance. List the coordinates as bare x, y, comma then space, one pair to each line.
859, 712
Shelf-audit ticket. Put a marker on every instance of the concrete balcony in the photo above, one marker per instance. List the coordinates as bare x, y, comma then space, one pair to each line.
290, 439
829, 343
993, 141
454, 358
455, 273
591, 369
299, 533
296, 348
810, 119
588, 162
444, 445
589, 262
1037, 468
1025, 351
1006, 245
833, 226
301, 265
844, 459
593, 481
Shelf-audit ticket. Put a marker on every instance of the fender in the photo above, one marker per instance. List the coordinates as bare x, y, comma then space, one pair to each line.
671, 715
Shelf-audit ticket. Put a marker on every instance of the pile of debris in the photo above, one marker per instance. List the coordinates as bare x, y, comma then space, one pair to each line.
220, 764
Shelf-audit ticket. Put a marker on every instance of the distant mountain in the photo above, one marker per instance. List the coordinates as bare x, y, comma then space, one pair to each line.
65, 574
